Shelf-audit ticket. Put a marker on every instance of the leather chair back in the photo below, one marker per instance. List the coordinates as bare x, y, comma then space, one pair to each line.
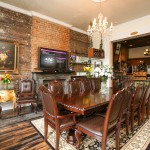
74, 87
85, 85
146, 94
26, 88
127, 100
138, 95
95, 84
49, 104
114, 110
127, 83
56, 88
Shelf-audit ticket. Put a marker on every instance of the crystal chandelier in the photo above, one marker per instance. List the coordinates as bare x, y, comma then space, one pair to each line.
99, 28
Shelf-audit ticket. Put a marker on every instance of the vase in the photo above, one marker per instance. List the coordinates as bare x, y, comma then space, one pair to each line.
104, 86
6, 86
88, 74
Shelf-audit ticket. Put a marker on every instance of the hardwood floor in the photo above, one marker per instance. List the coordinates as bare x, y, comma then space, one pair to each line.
17, 133
21, 136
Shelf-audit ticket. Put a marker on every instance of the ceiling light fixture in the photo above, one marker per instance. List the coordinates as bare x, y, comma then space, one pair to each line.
147, 52
99, 27
98, 1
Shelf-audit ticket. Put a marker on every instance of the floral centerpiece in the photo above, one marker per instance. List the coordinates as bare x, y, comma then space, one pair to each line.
88, 70
6, 78
104, 72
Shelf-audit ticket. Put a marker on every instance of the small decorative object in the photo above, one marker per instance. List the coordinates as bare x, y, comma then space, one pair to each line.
6, 79
104, 72
88, 70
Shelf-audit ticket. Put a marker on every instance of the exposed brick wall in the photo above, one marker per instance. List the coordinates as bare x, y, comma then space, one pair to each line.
78, 43
48, 35
33, 32
78, 46
16, 27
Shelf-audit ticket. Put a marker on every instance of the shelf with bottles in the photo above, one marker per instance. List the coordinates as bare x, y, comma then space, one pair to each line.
78, 62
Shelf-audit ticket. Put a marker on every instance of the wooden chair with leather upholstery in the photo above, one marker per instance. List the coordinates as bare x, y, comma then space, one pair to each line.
128, 95
52, 117
25, 94
74, 87
57, 89
136, 105
95, 84
85, 86
145, 104
99, 126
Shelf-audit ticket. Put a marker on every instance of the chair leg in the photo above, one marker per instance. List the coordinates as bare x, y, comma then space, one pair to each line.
57, 138
127, 124
139, 117
78, 134
34, 107
104, 139
18, 108
45, 129
132, 120
147, 110
0, 111
118, 138
143, 113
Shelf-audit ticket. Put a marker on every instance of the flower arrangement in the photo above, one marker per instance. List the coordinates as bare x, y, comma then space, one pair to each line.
6, 78
88, 70
104, 72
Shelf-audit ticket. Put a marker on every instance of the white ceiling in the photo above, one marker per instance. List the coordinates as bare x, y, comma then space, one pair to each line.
79, 13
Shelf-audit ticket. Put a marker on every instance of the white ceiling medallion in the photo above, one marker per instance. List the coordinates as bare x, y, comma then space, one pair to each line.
98, 1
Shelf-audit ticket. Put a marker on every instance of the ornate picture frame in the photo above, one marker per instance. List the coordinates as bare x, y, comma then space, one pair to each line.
9, 52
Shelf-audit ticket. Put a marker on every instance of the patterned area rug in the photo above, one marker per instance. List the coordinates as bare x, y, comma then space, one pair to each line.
138, 140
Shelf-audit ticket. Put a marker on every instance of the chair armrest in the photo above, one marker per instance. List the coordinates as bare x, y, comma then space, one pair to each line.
66, 116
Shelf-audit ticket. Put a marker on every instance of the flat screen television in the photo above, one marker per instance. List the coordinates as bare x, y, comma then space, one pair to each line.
53, 60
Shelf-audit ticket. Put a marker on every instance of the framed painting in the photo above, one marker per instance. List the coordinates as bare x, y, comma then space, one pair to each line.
8, 56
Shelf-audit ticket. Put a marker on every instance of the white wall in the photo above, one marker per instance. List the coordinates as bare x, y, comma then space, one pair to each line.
140, 25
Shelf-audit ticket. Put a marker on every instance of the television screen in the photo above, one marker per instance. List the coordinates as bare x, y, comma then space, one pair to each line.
52, 59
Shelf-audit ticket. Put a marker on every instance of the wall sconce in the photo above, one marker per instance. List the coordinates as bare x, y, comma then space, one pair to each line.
147, 52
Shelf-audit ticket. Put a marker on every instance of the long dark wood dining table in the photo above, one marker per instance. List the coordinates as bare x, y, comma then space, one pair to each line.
84, 103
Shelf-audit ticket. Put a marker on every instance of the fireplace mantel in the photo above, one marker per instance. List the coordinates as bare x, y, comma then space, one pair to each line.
40, 77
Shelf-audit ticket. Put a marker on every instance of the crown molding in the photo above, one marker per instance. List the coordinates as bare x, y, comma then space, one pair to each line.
50, 19
14, 8
33, 13
78, 30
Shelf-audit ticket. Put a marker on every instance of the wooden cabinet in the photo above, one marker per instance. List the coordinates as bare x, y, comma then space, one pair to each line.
7, 95
139, 75
95, 53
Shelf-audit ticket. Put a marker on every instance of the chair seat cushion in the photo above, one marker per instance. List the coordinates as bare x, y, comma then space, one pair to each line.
93, 125
64, 123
